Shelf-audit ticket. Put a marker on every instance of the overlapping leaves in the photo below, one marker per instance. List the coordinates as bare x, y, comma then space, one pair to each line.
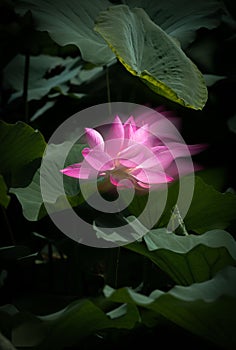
72, 22
181, 19
145, 49
207, 309
67, 326
39, 85
30, 197
188, 259
209, 209
204, 299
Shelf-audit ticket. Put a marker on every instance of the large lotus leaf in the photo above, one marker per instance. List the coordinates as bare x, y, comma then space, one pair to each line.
30, 197
82, 319
207, 309
188, 259
38, 86
20, 147
148, 52
209, 209
182, 18
66, 327
71, 22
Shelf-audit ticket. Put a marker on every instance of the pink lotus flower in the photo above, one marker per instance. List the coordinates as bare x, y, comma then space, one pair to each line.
131, 155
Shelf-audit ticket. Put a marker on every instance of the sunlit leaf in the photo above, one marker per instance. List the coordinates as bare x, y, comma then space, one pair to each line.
149, 53
188, 259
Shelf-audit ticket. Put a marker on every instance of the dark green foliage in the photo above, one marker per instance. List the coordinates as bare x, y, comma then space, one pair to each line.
58, 58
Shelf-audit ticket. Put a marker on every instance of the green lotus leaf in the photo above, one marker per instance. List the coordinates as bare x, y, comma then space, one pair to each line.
147, 52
